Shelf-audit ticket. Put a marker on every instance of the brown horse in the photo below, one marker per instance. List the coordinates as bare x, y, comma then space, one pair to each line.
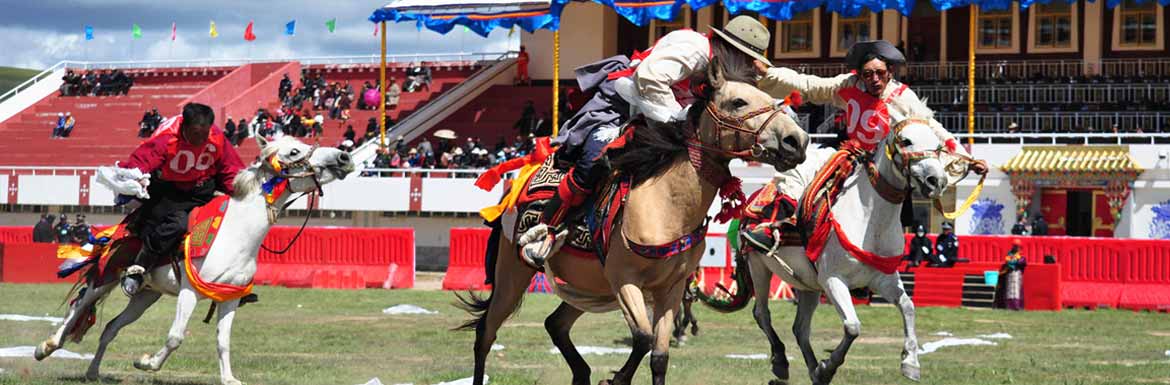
669, 199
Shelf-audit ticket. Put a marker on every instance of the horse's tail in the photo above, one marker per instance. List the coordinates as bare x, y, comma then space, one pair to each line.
472, 303
743, 282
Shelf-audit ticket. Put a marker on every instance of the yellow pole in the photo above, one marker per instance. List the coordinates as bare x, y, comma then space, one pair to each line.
971, 79
556, 82
382, 92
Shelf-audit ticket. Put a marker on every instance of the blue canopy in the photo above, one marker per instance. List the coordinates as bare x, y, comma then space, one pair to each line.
482, 16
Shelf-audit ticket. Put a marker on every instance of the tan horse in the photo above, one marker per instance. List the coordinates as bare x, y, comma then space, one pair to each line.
668, 202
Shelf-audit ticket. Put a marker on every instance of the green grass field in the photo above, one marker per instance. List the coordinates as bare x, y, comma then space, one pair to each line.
10, 77
299, 336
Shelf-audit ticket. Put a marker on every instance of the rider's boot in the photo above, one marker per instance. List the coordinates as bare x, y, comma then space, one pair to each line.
539, 242
132, 281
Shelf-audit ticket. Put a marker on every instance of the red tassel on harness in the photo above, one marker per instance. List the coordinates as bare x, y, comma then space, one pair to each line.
731, 194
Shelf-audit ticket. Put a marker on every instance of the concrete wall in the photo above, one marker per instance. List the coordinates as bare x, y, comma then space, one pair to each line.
31, 95
588, 36
263, 91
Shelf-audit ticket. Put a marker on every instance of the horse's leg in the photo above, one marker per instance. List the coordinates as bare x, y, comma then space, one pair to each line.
762, 283
634, 310
138, 305
806, 306
558, 325
666, 306
838, 293
72, 317
183, 310
890, 288
226, 313
512, 279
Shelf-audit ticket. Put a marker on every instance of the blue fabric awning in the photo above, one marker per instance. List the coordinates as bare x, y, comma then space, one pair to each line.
480, 16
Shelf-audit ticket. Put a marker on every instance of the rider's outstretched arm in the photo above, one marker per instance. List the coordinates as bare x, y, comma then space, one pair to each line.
781, 81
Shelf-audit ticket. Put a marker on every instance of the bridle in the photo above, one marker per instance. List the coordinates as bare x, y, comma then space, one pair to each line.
283, 170
902, 159
738, 125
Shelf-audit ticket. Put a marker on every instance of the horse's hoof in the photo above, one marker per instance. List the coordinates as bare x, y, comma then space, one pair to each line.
143, 363
778, 382
45, 349
92, 376
822, 375
695, 330
912, 372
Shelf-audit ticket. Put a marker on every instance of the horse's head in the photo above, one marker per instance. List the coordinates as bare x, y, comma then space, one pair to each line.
911, 152
306, 167
741, 121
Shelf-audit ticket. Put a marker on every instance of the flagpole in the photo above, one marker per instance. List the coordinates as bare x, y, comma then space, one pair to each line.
382, 93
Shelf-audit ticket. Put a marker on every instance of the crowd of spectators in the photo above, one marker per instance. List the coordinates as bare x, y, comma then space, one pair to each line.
149, 123
447, 153
46, 231
95, 83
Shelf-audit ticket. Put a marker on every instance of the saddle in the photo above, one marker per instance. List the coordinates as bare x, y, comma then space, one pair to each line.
768, 209
589, 226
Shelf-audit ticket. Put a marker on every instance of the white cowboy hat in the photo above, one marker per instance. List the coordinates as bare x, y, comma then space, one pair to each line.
445, 134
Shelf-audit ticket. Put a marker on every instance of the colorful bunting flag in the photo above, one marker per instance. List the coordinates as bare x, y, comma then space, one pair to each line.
291, 28
213, 33
248, 35
89, 32
136, 31
331, 24
174, 31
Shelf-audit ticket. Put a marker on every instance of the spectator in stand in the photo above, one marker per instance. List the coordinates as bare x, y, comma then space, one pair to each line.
1039, 226
241, 132
145, 126
89, 83
229, 130
285, 87
318, 125
371, 131
392, 94
522, 68
346, 145
69, 124
1013, 128
458, 158
349, 134
946, 247
919, 247
425, 148
418, 78
43, 230
70, 83
1021, 227
400, 145
382, 159
344, 118
527, 121
544, 125
60, 126
61, 231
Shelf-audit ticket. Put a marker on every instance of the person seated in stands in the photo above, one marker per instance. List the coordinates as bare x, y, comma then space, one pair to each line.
69, 123
145, 125
346, 145
60, 126
89, 83
393, 92
349, 133
1039, 226
919, 247
425, 147
241, 132
62, 230
122, 83
285, 87
70, 83
382, 158
229, 130
946, 248
418, 78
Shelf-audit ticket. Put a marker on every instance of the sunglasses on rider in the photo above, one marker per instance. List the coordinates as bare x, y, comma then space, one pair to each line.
870, 73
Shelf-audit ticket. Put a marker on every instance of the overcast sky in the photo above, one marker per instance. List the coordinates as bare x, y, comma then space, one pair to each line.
38, 33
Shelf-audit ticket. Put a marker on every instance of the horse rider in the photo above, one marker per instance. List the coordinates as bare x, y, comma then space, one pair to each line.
658, 85
867, 95
180, 168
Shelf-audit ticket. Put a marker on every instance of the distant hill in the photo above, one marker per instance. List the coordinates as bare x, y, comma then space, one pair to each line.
11, 77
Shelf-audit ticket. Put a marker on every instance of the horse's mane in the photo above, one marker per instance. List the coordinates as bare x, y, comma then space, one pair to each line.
655, 146
248, 180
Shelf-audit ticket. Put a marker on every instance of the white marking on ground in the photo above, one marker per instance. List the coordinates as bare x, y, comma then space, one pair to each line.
1168, 353
930, 347
747, 356
27, 351
996, 336
26, 318
373, 381
943, 334
596, 350
407, 309
497, 347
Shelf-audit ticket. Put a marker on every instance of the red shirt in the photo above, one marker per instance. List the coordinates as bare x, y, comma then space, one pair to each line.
186, 165
867, 118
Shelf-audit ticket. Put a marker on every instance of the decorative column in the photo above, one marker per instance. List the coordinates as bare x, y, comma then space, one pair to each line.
1023, 189
1116, 192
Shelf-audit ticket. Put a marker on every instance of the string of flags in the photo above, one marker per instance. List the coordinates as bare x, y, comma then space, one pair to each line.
290, 30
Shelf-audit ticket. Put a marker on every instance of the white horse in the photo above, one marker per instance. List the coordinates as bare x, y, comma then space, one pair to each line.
907, 159
231, 259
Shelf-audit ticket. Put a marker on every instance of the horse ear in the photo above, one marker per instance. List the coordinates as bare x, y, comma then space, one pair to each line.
260, 141
715, 75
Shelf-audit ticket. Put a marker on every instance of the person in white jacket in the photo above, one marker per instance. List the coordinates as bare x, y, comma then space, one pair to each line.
656, 84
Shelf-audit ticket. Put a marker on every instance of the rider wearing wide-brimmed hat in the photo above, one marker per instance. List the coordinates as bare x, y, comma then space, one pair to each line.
659, 84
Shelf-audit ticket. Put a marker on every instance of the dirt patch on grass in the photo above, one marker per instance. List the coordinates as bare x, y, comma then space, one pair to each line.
1159, 333
878, 340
